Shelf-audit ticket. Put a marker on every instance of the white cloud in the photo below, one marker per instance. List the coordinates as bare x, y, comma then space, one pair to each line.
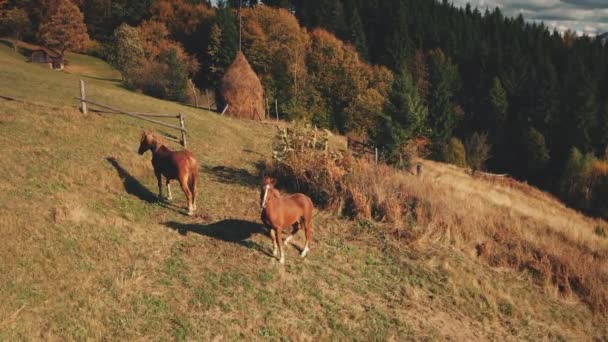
583, 16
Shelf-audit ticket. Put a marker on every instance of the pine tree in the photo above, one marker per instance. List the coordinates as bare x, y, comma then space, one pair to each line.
498, 105
536, 153
216, 67
405, 106
14, 23
357, 34
177, 76
445, 84
65, 28
223, 42
420, 72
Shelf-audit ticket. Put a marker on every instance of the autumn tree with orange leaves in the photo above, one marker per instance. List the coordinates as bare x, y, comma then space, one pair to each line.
64, 28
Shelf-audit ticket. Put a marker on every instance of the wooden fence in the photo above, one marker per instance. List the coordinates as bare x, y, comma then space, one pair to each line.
84, 102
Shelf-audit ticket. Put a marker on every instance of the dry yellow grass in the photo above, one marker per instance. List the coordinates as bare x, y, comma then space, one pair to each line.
505, 222
87, 253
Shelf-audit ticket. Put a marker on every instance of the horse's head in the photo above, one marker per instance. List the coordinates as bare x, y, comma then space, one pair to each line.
147, 142
268, 184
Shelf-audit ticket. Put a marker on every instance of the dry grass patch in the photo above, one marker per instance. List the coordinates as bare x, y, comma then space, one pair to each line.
87, 252
510, 224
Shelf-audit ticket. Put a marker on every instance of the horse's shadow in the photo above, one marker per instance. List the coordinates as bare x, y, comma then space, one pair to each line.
231, 175
231, 230
136, 188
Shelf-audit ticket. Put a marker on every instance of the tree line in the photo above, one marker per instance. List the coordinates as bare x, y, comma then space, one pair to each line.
412, 76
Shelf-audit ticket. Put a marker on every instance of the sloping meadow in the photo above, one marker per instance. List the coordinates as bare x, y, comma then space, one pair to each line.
495, 220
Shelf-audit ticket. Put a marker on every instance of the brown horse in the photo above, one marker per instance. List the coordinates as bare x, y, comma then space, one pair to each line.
280, 212
179, 165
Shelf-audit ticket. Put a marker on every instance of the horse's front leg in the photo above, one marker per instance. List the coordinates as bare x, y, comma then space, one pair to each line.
159, 178
279, 241
274, 241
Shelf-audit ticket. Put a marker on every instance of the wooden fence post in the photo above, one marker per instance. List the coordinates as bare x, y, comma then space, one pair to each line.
276, 108
225, 109
419, 170
376, 156
182, 124
207, 96
83, 99
193, 88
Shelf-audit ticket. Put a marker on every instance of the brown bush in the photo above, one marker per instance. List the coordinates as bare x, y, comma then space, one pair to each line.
569, 270
242, 90
555, 245
337, 181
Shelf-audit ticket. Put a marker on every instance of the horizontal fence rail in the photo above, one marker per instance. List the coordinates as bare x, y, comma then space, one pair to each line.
137, 115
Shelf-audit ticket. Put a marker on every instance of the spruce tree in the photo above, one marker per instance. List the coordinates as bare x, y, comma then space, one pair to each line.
445, 84
223, 42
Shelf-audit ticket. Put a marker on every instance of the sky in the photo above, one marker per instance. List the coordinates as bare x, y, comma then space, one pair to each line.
583, 16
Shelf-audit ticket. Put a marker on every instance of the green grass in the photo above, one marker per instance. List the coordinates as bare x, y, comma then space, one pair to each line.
88, 253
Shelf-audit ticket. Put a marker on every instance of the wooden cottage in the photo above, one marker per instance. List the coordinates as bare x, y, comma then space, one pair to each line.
48, 56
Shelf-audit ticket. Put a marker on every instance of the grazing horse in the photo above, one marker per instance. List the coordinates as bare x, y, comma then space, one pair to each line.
179, 165
280, 212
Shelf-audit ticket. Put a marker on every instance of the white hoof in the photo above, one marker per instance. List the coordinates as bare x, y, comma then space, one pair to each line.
282, 260
274, 252
304, 252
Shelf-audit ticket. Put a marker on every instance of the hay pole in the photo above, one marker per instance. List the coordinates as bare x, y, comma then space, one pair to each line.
182, 124
83, 99
225, 109
118, 111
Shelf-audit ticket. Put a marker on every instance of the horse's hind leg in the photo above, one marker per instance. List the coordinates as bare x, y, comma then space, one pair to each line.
169, 195
308, 229
183, 181
296, 227
193, 188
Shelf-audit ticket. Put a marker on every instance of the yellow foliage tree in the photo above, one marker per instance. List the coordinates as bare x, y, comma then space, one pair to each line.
155, 41
64, 29
354, 89
276, 47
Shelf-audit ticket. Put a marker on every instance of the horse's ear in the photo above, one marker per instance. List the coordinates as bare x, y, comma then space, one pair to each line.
273, 181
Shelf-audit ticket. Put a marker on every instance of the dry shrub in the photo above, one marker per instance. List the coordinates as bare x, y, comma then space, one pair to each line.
337, 181
421, 212
242, 90
569, 269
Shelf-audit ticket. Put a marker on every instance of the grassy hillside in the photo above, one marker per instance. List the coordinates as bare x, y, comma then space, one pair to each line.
88, 253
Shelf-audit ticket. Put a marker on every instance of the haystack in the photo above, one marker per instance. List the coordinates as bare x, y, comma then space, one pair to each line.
242, 90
